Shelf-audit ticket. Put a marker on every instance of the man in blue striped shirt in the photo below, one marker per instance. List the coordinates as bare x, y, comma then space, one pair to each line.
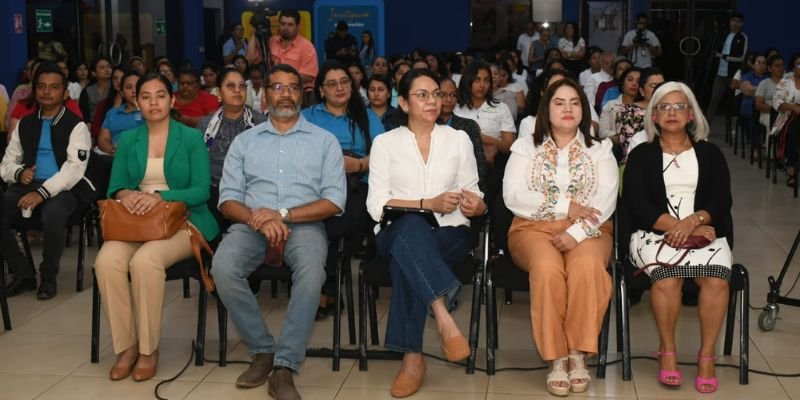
281, 179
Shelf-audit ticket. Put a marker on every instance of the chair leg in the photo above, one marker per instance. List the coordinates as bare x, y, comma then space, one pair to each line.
729, 323
602, 353
222, 322
362, 320
3, 300
337, 318
26, 245
627, 373
475, 320
744, 328
81, 256
508, 297
769, 155
202, 305
348, 286
95, 351
491, 324
187, 291
69, 237
373, 318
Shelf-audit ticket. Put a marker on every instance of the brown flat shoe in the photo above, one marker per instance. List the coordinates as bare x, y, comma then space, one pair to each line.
122, 371
405, 384
456, 348
145, 373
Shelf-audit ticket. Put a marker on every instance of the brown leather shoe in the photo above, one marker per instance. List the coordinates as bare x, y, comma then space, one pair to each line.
143, 373
456, 348
405, 384
281, 385
258, 372
122, 370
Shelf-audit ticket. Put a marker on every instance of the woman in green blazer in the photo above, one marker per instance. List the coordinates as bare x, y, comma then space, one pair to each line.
161, 160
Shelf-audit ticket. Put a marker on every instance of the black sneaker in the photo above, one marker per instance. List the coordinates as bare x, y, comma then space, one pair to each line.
47, 289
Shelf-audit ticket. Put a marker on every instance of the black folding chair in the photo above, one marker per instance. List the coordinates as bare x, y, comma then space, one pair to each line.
502, 273
182, 270
375, 273
284, 274
3, 300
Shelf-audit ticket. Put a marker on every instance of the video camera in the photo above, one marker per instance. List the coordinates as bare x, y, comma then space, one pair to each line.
641, 37
260, 19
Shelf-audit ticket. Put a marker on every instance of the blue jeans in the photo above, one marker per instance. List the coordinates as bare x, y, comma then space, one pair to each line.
242, 252
421, 262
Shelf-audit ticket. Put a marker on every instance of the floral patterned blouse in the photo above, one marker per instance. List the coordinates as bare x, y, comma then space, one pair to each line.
629, 120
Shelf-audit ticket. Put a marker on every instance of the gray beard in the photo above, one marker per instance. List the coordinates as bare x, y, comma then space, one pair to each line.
283, 112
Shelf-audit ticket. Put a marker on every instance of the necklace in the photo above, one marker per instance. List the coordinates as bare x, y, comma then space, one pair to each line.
675, 154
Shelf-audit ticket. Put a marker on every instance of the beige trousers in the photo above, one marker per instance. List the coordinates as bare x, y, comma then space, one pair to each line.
146, 262
569, 291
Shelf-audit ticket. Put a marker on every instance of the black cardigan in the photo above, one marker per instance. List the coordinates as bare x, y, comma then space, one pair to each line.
644, 196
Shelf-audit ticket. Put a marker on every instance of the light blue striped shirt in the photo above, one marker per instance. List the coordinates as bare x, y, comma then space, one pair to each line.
266, 169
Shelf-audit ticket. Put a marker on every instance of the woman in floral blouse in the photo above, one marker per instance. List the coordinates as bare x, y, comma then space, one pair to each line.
622, 117
562, 188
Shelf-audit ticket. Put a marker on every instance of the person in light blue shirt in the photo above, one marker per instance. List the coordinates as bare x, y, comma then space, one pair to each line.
236, 45
342, 112
281, 179
119, 119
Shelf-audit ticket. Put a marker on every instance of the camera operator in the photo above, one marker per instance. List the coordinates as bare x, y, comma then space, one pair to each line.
290, 48
341, 45
641, 44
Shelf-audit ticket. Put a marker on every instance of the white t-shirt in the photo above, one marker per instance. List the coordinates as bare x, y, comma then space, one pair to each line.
596, 79
566, 46
524, 44
492, 119
528, 123
640, 56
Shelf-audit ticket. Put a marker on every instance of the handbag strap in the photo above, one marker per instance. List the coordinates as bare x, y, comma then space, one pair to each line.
199, 244
660, 263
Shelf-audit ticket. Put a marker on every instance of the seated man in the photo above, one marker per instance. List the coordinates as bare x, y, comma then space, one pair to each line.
281, 179
192, 103
44, 165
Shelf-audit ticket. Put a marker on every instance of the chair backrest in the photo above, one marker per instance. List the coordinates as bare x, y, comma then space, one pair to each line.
501, 222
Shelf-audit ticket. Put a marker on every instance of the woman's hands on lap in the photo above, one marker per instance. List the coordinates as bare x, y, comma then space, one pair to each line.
563, 241
579, 212
681, 232
471, 204
137, 202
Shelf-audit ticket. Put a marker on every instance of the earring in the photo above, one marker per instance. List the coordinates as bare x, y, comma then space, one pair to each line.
691, 118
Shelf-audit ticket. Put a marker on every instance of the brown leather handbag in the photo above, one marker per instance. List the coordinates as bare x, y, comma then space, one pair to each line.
162, 222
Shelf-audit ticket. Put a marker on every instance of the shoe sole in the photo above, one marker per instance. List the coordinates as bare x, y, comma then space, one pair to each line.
249, 385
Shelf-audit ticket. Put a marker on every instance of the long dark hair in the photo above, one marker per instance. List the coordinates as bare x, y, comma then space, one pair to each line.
371, 45
112, 93
465, 86
575, 33
404, 88
543, 127
356, 109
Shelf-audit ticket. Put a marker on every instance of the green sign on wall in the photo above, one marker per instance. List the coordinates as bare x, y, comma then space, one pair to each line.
161, 27
44, 21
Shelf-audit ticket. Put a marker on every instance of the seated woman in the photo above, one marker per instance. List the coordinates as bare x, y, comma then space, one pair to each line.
379, 89
426, 165
561, 186
161, 160
677, 188
122, 118
623, 117
342, 112
786, 101
221, 127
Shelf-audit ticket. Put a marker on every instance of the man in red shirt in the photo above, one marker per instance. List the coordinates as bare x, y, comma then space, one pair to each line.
191, 103
289, 48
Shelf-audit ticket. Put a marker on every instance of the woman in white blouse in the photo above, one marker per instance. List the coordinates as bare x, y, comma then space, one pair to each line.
476, 101
561, 186
425, 165
572, 47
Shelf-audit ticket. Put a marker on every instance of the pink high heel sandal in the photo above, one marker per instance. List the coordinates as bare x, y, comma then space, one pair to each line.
702, 384
664, 375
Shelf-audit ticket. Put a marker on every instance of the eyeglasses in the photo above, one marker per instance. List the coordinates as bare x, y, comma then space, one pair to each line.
666, 107
232, 86
424, 96
344, 82
279, 88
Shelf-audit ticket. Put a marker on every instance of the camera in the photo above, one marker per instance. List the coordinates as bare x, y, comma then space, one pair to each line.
260, 19
641, 37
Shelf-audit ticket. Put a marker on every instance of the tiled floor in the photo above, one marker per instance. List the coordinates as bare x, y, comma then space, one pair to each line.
46, 356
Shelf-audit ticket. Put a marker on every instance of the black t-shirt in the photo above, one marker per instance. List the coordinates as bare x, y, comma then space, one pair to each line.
336, 43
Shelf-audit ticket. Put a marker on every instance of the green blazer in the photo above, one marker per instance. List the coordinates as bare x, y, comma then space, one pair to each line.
186, 168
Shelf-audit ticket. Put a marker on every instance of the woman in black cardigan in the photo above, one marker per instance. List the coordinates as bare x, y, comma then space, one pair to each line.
677, 190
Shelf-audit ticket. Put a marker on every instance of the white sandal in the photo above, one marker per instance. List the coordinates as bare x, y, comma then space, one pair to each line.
578, 372
558, 375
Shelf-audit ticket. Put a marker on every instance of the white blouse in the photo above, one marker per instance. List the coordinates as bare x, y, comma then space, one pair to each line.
398, 171
492, 119
541, 181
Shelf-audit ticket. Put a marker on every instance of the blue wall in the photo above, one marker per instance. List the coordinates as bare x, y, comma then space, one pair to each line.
768, 23
13, 46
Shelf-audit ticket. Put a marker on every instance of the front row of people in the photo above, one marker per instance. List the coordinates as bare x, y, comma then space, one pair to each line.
282, 178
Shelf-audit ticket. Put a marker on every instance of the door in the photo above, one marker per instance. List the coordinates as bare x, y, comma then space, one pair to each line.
690, 32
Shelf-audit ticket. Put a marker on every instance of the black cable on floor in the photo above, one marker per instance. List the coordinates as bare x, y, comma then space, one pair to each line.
191, 355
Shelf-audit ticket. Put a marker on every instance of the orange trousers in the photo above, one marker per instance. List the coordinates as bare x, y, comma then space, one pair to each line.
569, 290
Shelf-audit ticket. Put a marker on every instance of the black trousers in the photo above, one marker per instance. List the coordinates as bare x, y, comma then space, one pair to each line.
53, 213
792, 143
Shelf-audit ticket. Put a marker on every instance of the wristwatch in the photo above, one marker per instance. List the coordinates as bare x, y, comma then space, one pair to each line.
285, 214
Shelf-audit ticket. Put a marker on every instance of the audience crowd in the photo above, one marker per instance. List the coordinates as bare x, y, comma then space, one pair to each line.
276, 151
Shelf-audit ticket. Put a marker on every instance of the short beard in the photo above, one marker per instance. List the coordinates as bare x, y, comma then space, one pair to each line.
283, 112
